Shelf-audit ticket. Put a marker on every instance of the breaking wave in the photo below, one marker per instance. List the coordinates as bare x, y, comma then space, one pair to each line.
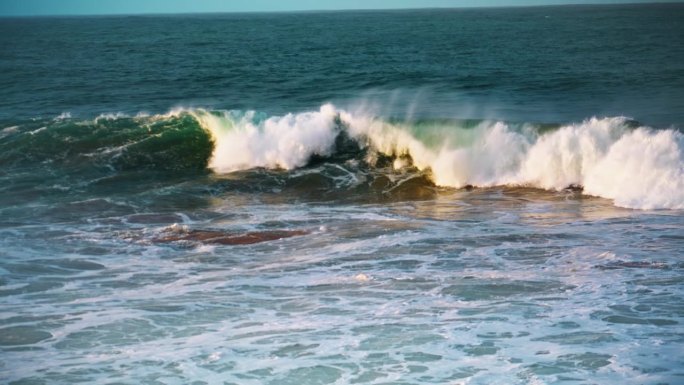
615, 158
636, 167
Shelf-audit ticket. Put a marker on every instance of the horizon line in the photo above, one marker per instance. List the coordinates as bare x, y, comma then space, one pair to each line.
464, 7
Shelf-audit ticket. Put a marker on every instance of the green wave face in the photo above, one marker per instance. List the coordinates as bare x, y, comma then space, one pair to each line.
109, 143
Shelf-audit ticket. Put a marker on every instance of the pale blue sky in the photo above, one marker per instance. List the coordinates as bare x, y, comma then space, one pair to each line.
99, 7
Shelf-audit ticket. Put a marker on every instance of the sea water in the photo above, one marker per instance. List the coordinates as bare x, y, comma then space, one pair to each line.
475, 196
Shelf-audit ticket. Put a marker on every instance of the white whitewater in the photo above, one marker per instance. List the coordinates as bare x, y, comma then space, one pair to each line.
638, 168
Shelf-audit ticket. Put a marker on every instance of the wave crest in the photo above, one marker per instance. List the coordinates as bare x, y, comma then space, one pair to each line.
244, 140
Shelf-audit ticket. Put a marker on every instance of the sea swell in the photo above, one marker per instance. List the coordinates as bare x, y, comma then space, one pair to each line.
615, 158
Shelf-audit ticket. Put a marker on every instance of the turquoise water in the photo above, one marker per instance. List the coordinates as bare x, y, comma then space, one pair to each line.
482, 196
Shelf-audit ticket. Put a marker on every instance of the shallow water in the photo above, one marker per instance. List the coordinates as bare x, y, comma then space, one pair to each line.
483, 286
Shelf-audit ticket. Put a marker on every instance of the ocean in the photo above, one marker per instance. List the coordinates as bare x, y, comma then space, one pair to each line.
433, 196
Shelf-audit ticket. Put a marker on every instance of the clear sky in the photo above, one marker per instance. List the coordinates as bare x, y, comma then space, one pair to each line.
104, 7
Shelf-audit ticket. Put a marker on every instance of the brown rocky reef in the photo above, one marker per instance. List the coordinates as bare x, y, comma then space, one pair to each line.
217, 237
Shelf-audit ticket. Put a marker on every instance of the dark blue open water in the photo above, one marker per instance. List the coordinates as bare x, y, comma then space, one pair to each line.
480, 196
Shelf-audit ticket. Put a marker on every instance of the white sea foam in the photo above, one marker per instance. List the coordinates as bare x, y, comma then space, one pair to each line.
643, 169
36, 131
636, 168
8, 131
243, 142
63, 116
110, 116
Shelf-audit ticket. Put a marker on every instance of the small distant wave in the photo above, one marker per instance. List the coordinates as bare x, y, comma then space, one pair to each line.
615, 158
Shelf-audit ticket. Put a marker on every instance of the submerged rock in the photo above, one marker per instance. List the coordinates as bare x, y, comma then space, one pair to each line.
633, 265
22, 335
573, 187
226, 238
